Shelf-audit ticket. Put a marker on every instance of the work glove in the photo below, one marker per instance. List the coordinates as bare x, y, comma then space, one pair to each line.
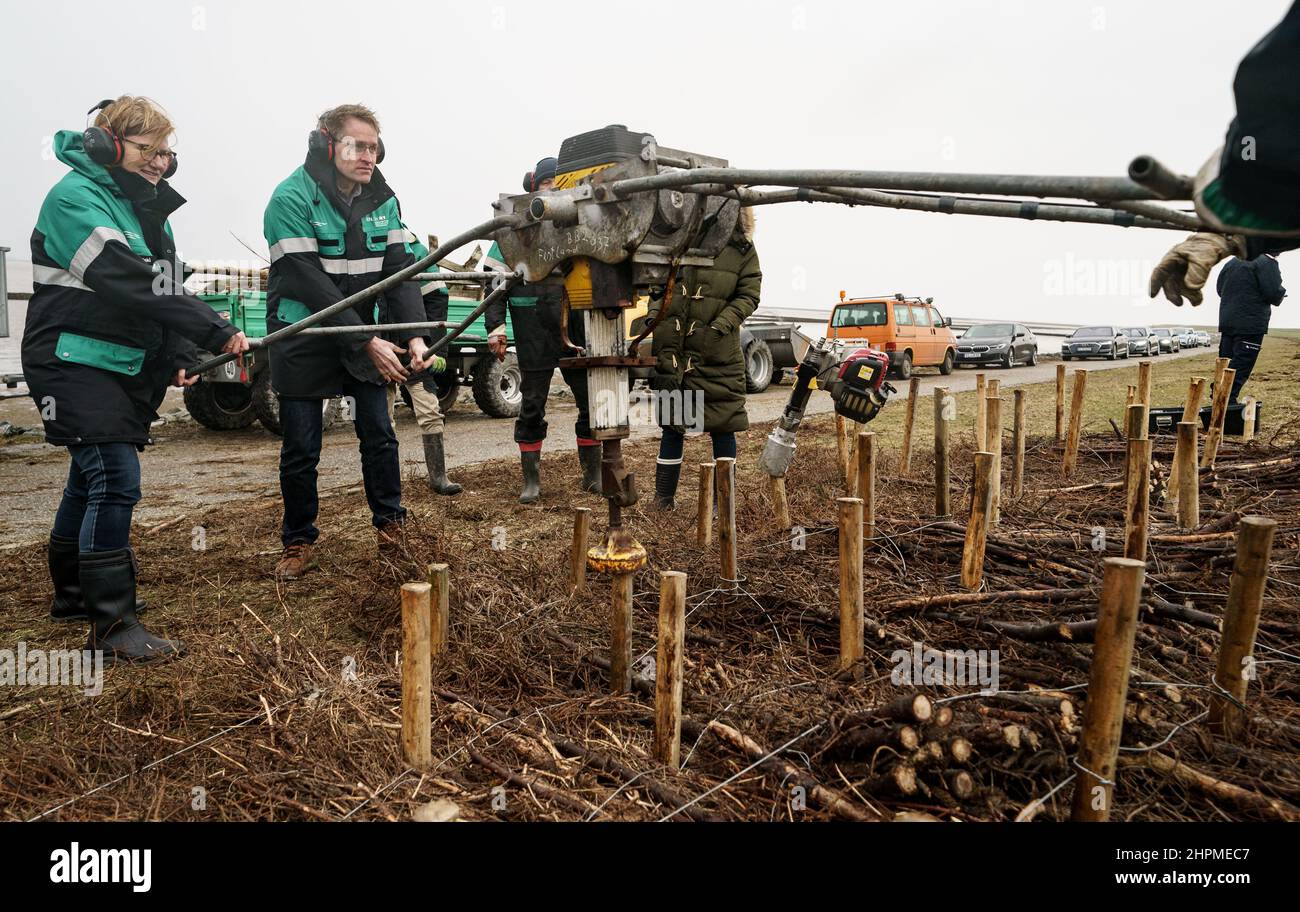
1185, 268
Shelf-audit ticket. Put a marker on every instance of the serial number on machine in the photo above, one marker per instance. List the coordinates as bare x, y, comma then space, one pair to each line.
1148, 856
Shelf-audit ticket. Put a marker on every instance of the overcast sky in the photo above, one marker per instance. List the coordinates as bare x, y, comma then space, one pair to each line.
470, 94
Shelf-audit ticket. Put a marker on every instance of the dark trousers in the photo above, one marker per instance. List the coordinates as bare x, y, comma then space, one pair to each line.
539, 349
367, 405
1243, 351
530, 426
100, 496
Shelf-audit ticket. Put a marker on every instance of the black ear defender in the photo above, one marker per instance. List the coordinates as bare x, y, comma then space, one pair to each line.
105, 148
321, 142
102, 144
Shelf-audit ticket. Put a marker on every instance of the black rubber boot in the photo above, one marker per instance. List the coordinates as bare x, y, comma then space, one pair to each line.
64, 562
531, 462
108, 589
589, 456
666, 478
436, 460
68, 605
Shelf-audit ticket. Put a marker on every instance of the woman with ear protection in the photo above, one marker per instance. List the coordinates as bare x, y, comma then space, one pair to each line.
109, 326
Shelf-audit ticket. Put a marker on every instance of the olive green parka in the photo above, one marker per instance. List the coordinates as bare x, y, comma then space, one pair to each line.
697, 344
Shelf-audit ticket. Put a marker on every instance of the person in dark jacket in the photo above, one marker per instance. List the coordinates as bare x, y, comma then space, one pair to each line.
698, 356
1248, 191
1248, 292
535, 313
334, 228
109, 326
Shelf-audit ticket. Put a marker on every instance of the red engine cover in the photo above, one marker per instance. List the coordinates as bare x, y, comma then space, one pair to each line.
865, 369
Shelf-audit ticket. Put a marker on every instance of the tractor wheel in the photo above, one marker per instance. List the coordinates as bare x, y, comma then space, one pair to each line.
498, 386
758, 367
220, 406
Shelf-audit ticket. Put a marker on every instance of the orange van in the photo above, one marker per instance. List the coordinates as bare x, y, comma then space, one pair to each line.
910, 330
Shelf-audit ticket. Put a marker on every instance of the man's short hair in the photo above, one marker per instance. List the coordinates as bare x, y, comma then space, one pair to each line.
332, 121
135, 115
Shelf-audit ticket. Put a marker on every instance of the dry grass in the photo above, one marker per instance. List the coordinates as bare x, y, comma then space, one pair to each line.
262, 716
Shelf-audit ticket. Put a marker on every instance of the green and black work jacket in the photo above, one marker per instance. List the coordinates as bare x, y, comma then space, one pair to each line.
109, 322
323, 251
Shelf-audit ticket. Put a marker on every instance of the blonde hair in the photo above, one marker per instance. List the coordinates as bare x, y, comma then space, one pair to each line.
135, 115
332, 121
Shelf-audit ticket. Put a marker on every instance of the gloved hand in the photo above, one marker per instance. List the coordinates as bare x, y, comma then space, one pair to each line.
1185, 268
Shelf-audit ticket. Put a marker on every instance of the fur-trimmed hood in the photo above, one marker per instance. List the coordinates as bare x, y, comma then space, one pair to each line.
746, 223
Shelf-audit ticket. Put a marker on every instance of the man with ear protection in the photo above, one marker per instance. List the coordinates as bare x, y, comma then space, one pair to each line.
108, 327
334, 228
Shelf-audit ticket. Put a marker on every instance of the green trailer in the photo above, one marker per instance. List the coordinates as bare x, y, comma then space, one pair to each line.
234, 396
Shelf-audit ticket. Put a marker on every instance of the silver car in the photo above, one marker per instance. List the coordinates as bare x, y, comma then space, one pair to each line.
1168, 342
1142, 341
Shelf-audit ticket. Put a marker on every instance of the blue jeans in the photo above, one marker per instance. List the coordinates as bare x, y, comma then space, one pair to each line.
102, 491
300, 454
673, 442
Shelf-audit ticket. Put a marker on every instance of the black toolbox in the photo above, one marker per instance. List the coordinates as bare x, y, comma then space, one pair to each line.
1165, 420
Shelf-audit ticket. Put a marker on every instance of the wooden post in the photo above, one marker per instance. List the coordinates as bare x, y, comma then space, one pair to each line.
993, 440
867, 481
1132, 396
1103, 713
704, 521
417, 677
620, 648
1137, 484
842, 447
440, 610
780, 505
1191, 412
913, 390
1248, 419
578, 556
972, 556
1076, 423
942, 454
981, 419
1018, 442
1144, 384
851, 620
668, 668
727, 522
1214, 436
1060, 402
1195, 390
1220, 365
1189, 482
1240, 624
